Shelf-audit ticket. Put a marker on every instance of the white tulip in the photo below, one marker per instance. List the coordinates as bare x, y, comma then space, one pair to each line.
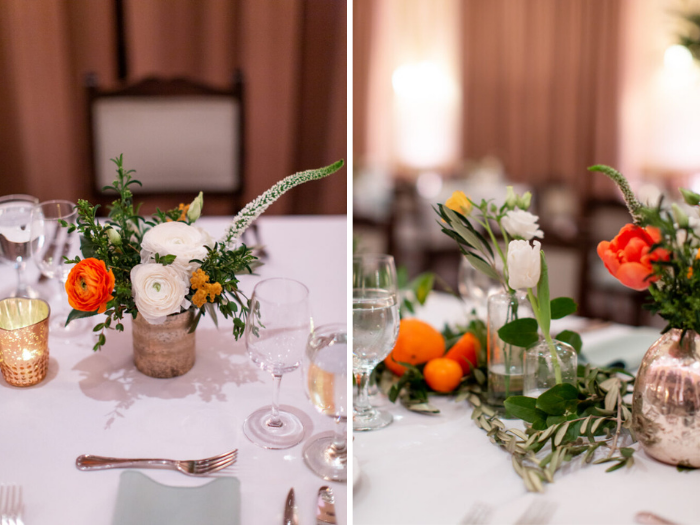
158, 291
524, 264
521, 223
176, 238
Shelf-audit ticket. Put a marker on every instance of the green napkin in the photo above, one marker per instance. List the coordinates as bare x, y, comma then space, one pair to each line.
142, 501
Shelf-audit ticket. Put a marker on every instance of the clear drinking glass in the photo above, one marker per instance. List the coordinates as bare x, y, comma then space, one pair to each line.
277, 330
325, 381
475, 286
53, 242
15, 237
375, 326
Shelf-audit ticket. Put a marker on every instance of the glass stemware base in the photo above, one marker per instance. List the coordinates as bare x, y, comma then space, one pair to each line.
370, 419
327, 461
258, 428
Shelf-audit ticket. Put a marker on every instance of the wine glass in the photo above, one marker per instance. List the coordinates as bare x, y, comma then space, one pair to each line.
15, 237
375, 326
325, 381
476, 286
277, 329
52, 242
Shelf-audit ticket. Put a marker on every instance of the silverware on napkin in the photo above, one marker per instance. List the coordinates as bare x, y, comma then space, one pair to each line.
290, 510
325, 512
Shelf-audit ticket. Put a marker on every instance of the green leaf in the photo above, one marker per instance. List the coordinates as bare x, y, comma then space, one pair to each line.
422, 286
543, 296
467, 231
562, 306
617, 466
479, 264
555, 401
627, 452
77, 314
521, 332
524, 408
570, 338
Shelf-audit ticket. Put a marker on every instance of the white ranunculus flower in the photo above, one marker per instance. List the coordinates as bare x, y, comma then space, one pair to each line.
524, 264
521, 223
176, 238
158, 291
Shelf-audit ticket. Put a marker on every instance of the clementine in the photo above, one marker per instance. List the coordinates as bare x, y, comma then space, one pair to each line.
442, 374
465, 352
417, 343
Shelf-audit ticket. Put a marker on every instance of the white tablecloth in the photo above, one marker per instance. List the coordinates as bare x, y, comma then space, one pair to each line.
98, 403
433, 469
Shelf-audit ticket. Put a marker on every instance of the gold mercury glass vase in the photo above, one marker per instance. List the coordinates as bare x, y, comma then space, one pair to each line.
666, 400
167, 349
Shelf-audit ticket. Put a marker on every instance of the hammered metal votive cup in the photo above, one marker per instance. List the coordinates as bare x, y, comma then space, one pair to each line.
24, 340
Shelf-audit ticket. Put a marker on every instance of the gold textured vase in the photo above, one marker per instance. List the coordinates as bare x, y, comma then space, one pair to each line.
24, 340
164, 350
666, 400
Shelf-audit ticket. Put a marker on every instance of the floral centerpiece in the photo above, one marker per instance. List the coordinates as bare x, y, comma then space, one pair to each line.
159, 267
660, 252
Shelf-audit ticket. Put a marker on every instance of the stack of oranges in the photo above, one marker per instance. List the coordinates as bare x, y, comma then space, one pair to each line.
419, 343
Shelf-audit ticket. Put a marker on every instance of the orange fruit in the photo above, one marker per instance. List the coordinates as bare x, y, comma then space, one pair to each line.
465, 352
417, 343
442, 374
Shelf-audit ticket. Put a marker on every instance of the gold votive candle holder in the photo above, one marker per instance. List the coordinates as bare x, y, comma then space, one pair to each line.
24, 340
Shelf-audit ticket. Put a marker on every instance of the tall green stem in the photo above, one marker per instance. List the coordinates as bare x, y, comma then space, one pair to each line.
547, 336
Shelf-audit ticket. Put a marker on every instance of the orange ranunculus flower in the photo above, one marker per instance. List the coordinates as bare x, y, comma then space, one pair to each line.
627, 256
89, 286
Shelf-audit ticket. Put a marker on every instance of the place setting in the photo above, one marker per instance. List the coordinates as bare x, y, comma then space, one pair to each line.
159, 278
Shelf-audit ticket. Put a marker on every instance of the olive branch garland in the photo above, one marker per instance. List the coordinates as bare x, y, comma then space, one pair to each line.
569, 420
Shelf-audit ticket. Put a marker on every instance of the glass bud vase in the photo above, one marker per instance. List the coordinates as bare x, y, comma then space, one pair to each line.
540, 368
505, 362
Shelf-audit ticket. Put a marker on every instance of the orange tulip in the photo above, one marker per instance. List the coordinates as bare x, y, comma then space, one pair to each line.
89, 286
628, 258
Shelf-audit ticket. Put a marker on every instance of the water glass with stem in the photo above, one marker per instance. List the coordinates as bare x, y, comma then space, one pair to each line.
375, 327
15, 237
277, 329
53, 240
325, 381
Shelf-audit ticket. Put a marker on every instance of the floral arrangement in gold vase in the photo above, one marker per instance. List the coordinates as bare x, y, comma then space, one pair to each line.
164, 271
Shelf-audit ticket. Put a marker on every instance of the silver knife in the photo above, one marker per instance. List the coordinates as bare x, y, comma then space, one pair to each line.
290, 510
325, 512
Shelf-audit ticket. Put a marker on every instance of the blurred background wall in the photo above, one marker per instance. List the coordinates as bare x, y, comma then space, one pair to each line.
479, 94
292, 54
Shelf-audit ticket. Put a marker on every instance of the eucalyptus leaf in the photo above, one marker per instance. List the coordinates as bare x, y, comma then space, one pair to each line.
562, 306
524, 408
521, 332
555, 400
570, 338
480, 264
560, 433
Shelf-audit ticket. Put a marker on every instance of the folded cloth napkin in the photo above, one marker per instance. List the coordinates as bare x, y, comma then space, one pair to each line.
142, 501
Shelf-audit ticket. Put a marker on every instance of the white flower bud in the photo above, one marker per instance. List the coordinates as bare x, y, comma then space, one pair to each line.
195, 209
524, 264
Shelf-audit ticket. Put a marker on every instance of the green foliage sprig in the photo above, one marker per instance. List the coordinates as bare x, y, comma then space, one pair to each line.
566, 422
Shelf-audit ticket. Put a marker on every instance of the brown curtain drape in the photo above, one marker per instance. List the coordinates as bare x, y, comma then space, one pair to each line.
295, 116
540, 87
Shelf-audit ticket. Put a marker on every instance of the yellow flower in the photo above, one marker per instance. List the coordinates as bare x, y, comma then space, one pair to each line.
199, 298
199, 277
184, 208
459, 202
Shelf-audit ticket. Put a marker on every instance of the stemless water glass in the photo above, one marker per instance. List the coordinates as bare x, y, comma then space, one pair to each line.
15, 237
52, 242
277, 329
325, 380
375, 327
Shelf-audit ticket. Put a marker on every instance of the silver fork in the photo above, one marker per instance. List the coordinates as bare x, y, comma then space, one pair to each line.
192, 467
479, 514
538, 513
11, 504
